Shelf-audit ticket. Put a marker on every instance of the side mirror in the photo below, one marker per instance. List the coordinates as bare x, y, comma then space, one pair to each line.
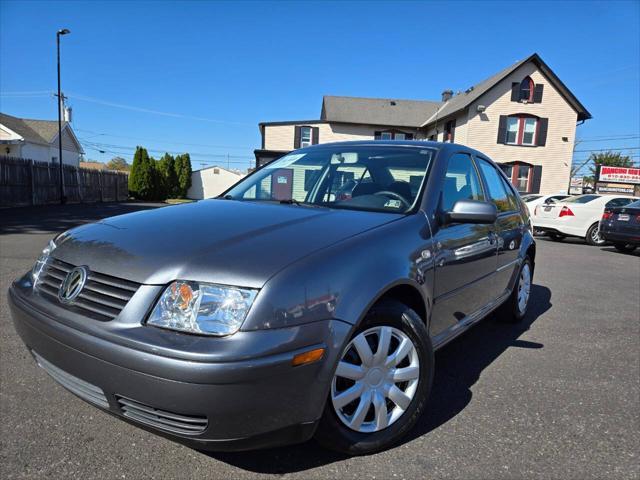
471, 211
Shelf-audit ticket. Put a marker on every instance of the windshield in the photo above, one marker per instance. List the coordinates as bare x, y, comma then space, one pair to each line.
530, 198
635, 204
581, 199
383, 178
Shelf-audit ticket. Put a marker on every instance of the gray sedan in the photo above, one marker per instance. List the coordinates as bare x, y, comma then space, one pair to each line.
286, 308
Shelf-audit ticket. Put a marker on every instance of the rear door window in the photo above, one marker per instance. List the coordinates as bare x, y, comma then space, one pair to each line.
500, 195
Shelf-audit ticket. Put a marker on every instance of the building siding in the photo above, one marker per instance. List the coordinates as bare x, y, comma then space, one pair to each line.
555, 157
208, 184
281, 137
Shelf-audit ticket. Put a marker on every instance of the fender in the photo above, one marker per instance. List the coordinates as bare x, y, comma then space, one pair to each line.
344, 280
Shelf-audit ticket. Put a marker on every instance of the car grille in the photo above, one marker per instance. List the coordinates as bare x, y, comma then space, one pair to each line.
161, 419
83, 389
102, 298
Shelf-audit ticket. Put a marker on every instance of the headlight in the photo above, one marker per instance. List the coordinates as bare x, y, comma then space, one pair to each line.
202, 308
41, 262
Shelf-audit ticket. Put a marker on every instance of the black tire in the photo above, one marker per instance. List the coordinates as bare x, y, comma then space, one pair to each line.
510, 311
593, 237
556, 237
624, 247
333, 434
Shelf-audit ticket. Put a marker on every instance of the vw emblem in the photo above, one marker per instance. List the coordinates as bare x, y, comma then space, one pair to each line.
72, 284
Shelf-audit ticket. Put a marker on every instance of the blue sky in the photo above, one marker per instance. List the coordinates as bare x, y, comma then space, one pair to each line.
220, 68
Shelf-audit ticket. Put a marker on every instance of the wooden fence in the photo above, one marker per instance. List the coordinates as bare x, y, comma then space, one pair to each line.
25, 182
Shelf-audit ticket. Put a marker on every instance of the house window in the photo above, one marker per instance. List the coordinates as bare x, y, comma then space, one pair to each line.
521, 130
529, 131
526, 90
520, 174
522, 179
512, 130
305, 136
393, 135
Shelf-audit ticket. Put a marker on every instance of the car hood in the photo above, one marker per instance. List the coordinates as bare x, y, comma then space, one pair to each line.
218, 241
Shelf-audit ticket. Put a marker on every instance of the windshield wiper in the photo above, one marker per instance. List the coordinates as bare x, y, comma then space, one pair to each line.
291, 201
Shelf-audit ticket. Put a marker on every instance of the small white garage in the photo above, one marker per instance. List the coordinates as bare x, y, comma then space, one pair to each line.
211, 182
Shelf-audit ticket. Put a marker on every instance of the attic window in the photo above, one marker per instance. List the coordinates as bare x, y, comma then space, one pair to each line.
527, 88
216, 171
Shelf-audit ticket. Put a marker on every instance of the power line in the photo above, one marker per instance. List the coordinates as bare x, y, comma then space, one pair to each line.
607, 149
165, 141
608, 139
161, 150
84, 98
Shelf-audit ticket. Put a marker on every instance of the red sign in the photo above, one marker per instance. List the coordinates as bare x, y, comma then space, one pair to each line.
619, 174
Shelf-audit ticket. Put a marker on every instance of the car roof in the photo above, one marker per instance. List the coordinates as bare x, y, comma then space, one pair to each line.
441, 146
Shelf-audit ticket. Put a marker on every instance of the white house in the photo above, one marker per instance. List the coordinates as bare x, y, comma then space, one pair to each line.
38, 140
211, 182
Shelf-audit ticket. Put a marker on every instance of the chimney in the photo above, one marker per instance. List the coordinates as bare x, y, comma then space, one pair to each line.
446, 95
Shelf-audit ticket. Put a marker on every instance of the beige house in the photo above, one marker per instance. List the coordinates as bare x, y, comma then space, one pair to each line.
523, 117
37, 140
211, 182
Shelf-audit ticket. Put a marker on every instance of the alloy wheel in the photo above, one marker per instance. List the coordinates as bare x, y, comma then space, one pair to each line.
524, 288
596, 238
376, 379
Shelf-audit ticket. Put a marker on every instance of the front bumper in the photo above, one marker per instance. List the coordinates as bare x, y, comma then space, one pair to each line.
235, 405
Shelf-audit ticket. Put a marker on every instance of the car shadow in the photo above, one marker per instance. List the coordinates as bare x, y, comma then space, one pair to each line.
458, 368
635, 252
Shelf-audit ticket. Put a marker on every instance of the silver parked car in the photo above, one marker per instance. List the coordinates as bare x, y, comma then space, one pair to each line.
284, 310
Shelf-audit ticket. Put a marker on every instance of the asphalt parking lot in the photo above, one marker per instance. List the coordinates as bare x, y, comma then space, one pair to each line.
557, 396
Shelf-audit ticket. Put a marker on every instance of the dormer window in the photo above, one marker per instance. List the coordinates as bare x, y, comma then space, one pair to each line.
527, 88
526, 91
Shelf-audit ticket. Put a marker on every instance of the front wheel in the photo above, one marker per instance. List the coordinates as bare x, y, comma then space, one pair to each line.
624, 247
381, 383
594, 237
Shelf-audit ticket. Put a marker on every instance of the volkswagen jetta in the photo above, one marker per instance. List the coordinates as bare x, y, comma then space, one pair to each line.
286, 308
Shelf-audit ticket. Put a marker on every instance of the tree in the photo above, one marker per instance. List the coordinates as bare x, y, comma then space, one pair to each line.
118, 163
143, 179
183, 172
610, 159
167, 170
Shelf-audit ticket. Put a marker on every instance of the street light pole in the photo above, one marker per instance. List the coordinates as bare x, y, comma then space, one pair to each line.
64, 31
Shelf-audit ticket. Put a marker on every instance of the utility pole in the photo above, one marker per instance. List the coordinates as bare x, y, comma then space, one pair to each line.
63, 199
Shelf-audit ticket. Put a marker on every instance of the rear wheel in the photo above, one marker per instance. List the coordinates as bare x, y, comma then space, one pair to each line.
593, 236
624, 247
381, 383
515, 308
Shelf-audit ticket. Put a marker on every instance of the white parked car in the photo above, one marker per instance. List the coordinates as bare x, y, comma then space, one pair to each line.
577, 216
532, 200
